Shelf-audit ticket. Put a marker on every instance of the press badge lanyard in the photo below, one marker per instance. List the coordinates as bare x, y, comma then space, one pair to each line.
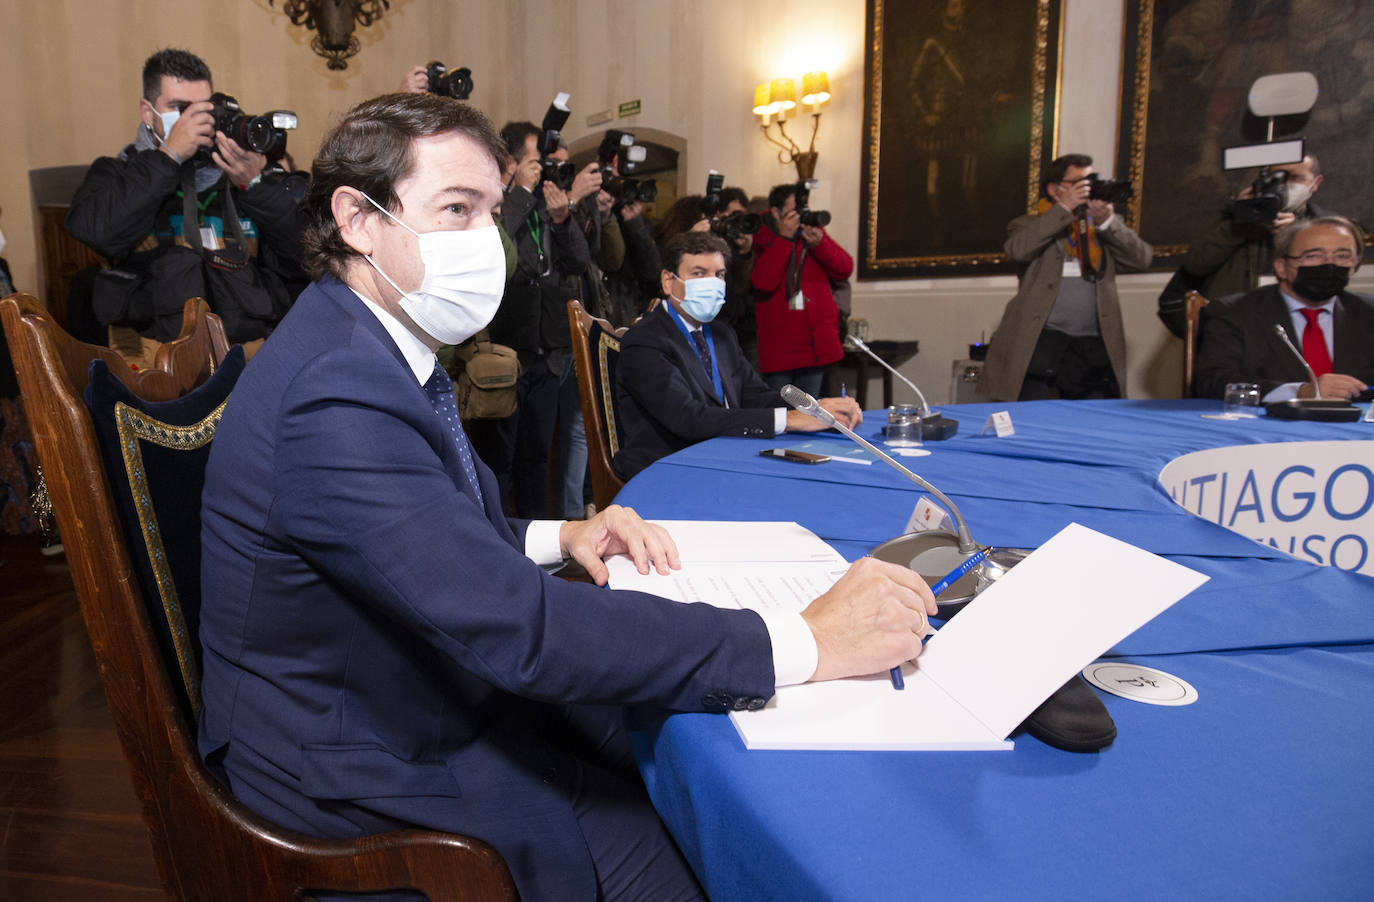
710, 346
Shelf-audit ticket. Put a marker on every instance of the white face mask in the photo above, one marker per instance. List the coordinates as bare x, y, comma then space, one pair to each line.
2, 242
1298, 193
465, 277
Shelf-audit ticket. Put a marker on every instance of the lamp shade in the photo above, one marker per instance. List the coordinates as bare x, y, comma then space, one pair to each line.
782, 95
815, 89
761, 103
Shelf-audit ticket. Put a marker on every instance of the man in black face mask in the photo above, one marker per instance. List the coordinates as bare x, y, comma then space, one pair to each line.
1332, 327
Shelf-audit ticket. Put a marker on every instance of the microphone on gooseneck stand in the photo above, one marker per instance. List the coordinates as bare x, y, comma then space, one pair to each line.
934, 427
1315, 408
1288, 343
963, 546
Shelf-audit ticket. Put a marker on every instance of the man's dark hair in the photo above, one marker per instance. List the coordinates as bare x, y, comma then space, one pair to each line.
780, 193
515, 134
685, 243
1059, 167
731, 195
179, 64
371, 150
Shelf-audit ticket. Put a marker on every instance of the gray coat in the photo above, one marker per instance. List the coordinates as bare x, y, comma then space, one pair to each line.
1033, 241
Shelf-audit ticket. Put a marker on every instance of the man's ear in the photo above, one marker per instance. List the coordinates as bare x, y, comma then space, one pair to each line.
351, 214
1316, 183
665, 281
147, 115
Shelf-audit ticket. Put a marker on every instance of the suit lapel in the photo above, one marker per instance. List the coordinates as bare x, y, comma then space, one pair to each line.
688, 361
344, 297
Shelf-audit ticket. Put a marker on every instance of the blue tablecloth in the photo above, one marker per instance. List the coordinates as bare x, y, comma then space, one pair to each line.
1264, 787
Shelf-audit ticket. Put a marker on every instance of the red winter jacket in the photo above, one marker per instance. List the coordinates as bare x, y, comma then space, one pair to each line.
792, 339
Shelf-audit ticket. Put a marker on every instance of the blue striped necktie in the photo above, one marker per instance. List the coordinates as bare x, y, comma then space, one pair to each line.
440, 391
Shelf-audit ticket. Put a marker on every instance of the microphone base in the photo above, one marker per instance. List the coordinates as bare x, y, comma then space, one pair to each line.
1310, 409
934, 553
937, 428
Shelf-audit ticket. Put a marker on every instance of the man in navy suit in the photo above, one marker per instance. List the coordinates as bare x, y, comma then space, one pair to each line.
679, 381
1333, 328
380, 649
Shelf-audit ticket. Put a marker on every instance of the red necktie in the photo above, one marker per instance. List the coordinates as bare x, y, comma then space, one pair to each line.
1314, 344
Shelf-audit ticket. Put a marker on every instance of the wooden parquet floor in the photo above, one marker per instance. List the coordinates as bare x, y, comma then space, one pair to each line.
69, 820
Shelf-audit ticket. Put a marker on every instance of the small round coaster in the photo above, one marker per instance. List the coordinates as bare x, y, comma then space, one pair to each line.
1140, 684
908, 452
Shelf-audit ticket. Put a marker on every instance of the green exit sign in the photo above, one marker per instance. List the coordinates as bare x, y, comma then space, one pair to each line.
629, 108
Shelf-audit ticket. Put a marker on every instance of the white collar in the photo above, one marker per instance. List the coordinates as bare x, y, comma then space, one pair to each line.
418, 356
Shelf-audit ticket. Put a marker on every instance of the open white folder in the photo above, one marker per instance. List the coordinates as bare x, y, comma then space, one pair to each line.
978, 677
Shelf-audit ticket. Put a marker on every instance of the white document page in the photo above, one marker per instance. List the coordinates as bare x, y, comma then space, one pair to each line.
755, 565
986, 670
1049, 617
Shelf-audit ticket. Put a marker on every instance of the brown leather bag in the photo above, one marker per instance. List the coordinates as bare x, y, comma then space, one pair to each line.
486, 386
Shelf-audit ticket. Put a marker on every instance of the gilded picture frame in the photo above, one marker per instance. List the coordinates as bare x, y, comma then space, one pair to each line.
1203, 57
960, 116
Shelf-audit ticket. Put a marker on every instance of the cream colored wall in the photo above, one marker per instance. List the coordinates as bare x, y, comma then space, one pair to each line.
69, 85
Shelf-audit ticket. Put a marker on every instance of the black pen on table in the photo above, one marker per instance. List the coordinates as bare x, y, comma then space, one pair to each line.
950, 578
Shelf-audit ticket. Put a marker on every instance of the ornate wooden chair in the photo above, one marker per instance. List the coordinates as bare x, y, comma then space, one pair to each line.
207, 845
1193, 304
596, 345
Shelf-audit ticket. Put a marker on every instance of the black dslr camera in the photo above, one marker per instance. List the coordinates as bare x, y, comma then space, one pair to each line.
624, 189
456, 84
734, 225
1112, 191
1268, 196
815, 218
265, 134
560, 172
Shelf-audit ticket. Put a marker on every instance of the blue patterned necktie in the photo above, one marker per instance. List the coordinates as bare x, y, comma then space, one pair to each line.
703, 350
440, 391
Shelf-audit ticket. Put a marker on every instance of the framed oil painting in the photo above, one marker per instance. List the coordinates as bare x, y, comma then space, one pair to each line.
959, 119
1188, 67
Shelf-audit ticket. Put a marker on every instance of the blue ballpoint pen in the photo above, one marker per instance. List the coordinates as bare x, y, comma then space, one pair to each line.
942, 585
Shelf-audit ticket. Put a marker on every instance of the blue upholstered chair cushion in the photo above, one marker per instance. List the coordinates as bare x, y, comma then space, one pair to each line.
155, 455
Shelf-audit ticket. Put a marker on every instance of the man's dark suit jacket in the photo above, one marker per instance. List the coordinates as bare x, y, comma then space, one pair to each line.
378, 651
1238, 343
666, 399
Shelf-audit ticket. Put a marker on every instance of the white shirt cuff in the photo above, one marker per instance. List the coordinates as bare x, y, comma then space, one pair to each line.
542, 544
1107, 223
779, 420
795, 655
1285, 392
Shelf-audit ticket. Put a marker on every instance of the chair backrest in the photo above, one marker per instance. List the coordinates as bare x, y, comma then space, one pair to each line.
206, 844
1193, 304
596, 345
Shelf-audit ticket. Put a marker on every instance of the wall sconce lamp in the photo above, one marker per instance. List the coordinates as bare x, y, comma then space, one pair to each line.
332, 21
778, 100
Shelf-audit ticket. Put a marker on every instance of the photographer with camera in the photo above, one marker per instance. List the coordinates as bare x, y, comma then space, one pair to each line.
1062, 335
551, 254
795, 261
730, 219
1230, 257
629, 258
192, 208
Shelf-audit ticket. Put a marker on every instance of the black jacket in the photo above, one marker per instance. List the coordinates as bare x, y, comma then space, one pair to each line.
666, 399
128, 208
1238, 343
533, 315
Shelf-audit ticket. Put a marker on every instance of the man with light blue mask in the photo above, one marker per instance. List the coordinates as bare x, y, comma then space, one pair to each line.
679, 381
381, 648
185, 211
